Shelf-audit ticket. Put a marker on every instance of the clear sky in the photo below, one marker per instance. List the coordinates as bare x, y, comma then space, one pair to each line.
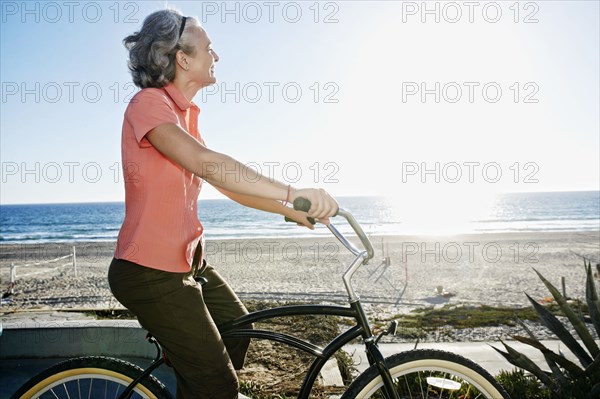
452, 100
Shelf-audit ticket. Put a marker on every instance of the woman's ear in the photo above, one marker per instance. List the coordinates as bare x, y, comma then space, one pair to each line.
181, 58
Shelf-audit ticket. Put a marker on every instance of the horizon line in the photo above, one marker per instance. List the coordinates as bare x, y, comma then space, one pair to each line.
339, 196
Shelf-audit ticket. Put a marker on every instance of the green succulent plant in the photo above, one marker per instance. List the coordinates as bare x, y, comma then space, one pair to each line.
521, 385
565, 379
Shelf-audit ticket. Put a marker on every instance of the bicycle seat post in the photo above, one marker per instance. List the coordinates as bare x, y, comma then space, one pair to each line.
158, 360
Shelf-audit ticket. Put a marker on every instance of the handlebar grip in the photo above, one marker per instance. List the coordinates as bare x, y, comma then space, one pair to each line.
302, 204
311, 220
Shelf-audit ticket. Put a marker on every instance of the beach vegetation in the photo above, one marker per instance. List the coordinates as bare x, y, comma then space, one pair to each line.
520, 384
255, 390
564, 378
444, 320
471, 316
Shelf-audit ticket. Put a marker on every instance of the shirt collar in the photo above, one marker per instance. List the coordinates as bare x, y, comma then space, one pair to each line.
178, 97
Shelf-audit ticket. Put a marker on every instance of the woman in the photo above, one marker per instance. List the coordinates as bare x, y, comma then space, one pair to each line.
159, 248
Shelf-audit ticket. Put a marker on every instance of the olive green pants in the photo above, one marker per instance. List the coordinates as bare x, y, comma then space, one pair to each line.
183, 316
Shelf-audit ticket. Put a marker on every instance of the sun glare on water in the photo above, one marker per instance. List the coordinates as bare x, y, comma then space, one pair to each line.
440, 211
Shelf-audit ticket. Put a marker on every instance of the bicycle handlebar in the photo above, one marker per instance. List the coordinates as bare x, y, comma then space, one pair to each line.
303, 204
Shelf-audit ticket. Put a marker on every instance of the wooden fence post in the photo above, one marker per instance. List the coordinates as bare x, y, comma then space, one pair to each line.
74, 261
13, 273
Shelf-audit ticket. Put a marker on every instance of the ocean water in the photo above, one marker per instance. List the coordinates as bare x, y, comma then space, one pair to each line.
222, 219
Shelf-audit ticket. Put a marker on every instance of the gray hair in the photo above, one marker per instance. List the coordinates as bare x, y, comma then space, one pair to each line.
152, 50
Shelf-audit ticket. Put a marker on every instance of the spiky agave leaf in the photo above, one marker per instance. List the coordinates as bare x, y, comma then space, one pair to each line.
591, 297
565, 363
522, 361
550, 321
556, 371
577, 323
593, 370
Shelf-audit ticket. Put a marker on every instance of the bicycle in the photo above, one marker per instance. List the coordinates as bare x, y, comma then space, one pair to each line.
418, 373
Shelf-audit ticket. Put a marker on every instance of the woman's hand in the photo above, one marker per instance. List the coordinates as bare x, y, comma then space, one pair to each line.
323, 205
301, 218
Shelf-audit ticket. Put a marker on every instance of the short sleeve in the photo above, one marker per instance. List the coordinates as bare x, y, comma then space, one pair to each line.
148, 109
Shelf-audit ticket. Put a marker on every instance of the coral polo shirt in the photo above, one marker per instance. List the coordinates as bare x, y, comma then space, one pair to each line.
161, 228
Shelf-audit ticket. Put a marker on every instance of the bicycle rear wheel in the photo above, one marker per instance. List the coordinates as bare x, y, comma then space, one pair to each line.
428, 373
91, 377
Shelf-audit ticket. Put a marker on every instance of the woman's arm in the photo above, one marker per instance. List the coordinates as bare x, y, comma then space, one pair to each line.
224, 172
216, 168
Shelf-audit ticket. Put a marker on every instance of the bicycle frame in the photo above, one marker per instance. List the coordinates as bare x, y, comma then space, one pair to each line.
236, 328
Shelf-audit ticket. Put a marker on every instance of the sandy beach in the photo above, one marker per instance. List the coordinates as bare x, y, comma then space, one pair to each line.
494, 269
490, 269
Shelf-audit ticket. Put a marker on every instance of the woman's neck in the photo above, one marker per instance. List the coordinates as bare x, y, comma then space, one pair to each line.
187, 88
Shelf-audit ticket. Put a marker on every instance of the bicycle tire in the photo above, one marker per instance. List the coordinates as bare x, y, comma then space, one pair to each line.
77, 376
415, 370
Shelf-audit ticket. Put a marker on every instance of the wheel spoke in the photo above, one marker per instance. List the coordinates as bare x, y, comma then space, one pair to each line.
427, 373
407, 387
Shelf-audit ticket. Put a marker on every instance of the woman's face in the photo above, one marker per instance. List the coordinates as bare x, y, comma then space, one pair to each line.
202, 63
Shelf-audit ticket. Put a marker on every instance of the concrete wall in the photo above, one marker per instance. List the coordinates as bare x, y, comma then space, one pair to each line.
29, 347
121, 338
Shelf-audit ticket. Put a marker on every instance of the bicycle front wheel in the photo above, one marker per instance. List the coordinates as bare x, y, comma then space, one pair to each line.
428, 373
91, 377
